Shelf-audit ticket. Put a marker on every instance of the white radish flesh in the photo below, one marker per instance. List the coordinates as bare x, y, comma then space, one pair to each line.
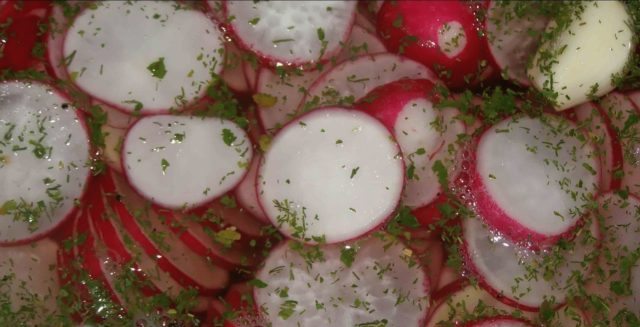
44, 157
331, 167
562, 174
172, 69
602, 30
179, 161
246, 192
379, 285
523, 276
291, 32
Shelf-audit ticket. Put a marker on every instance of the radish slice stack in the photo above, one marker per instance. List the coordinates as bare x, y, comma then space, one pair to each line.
179, 162
379, 284
332, 167
295, 33
173, 68
533, 177
44, 157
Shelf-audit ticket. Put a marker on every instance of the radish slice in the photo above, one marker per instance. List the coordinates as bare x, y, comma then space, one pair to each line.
29, 281
161, 153
113, 140
381, 284
499, 322
618, 285
43, 159
172, 69
602, 134
523, 277
350, 81
429, 251
570, 316
247, 194
453, 309
151, 231
331, 167
233, 71
295, 33
533, 177
513, 39
58, 25
601, 30
116, 118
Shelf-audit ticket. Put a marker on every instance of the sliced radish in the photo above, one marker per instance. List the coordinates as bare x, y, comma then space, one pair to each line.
379, 285
331, 167
251, 71
533, 177
172, 69
151, 231
522, 277
429, 251
161, 155
570, 316
43, 159
58, 24
513, 38
294, 33
600, 30
500, 321
350, 81
247, 194
602, 134
439, 34
113, 140
233, 71
116, 117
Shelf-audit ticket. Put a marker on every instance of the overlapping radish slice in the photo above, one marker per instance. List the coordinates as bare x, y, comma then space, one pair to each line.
513, 38
233, 70
246, 192
161, 154
331, 167
501, 321
600, 130
424, 132
525, 278
113, 140
29, 281
570, 316
295, 33
597, 30
58, 24
378, 283
533, 177
618, 284
43, 160
152, 232
172, 69
289, 89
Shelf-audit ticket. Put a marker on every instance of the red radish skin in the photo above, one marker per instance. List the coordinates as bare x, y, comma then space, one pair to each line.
21, 34
526, 149
27, 174
440, 34
499, 321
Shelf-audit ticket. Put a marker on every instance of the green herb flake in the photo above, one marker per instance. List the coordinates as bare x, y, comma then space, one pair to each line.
228, 137
164, 164
348, 255
157, 68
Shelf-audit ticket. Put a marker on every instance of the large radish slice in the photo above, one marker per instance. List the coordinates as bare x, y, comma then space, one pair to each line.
44, 155
372, 281
291, 32
522, 277
407, 107
246, 192
29, 281
513, 37
152, 232
501, 321
161, 154
172, 69
618, 284
600, 29
331, 167
600, 130
533, 177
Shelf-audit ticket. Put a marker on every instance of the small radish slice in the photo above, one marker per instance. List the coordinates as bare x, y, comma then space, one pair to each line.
570, 316
161, 153
291, 33
113, 140
533, 177
512, 39
331, 167
351, 80
429, 251
43, 160
116, 117
151, 231
515, 274
600, 130
439, 34
501, 321
455, 307
57, 28
30, 281
360, 42
172, 69
381, 284
246, 191
601, 30
251, 71
216, 9
233, 69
